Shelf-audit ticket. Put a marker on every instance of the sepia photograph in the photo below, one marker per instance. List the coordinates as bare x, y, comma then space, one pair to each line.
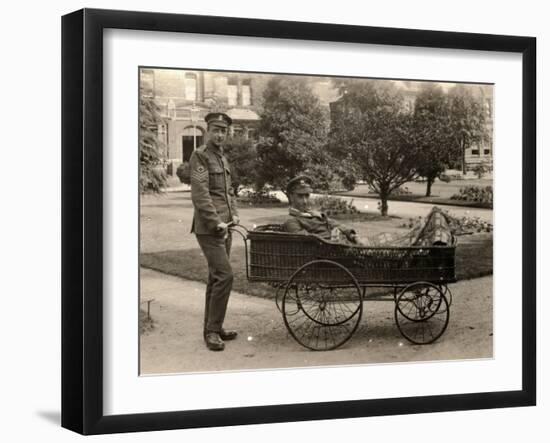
296, 221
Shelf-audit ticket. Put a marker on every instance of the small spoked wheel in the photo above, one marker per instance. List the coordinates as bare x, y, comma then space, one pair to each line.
322, 305
422, 313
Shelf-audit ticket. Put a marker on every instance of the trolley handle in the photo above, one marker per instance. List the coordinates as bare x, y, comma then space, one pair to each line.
239, 229
243, 232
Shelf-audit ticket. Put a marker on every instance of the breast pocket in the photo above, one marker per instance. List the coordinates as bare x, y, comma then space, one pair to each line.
216, 175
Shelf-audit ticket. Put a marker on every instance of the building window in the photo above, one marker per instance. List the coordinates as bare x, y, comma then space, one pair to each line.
475, 151
238, 131
486, 151
147, 83
190, 87
232, 93
245, 93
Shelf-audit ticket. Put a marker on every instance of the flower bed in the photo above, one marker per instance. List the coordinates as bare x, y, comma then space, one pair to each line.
257, 198
475, 194
334, 205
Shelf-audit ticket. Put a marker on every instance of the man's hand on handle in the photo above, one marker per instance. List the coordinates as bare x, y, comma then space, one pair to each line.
222, 228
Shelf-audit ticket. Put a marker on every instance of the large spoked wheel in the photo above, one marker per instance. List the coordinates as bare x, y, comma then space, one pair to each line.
322, 305
279, 290
447, 293
422, 313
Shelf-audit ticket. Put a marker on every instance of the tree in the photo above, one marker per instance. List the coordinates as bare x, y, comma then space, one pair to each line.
184, 173
152, 177
332, 175
371, 128
432, 133
468, 121
243, 158
293, 131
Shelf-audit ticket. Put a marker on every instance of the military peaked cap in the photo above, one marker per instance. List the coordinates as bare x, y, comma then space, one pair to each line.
300, 185
218, 119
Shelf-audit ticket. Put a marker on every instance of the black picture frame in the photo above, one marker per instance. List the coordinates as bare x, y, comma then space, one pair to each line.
82, 218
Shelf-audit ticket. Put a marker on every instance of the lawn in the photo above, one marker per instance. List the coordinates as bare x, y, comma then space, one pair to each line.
165, 221
474, 258
168, 246
441, 192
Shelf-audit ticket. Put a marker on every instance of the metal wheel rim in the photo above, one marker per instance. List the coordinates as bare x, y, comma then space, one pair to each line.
447, 293
432, 311
358, 312
306, 313
444, 311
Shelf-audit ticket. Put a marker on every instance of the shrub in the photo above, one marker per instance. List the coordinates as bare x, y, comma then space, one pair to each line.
459, 225
349, 181
469, 224
261, 197
475, 194
480, 170
402, 190
450, 175
473, 224
334, 205
184, 173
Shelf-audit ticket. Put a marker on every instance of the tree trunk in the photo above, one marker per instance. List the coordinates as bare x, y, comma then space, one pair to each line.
464, 159
429, 183
384, 204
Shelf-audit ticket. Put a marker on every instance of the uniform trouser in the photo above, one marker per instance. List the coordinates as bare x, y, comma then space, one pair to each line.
216, 249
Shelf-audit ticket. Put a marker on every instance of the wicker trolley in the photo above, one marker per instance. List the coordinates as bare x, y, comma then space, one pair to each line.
321, 285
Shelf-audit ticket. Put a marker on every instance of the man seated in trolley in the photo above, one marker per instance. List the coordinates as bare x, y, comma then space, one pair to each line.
434, 230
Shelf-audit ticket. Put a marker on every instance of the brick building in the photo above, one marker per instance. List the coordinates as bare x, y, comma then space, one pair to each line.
185, 97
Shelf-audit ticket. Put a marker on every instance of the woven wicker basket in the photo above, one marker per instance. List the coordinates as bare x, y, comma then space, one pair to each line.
275, 255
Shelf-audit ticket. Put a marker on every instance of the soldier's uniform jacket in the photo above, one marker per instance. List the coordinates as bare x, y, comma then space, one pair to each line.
316, 223
211, 190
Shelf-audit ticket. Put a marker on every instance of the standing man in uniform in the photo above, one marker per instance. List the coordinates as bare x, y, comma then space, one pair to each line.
214, 202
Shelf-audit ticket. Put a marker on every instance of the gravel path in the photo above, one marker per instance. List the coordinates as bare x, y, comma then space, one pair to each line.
175, 343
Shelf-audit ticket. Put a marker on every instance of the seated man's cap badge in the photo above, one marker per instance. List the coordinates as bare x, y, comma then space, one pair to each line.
300, 185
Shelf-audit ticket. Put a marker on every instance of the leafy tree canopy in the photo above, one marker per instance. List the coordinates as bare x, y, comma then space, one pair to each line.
371, 129
432, 133
293, 131
243, 157
152, 177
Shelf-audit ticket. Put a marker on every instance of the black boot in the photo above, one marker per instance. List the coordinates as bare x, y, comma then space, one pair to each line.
214, 341
227, 334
